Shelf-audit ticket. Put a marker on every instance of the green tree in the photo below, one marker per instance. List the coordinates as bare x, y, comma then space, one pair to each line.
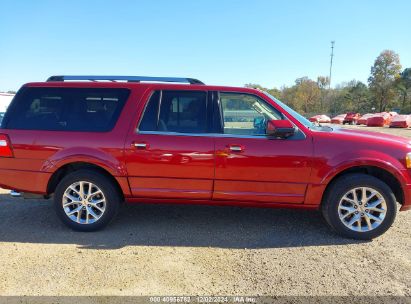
274, 92
404, 88
358, 97
338, 99
384, 72
308, 92
288, 97
323, 83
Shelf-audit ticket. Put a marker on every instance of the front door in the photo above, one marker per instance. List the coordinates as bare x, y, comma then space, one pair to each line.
170, 154
249, 165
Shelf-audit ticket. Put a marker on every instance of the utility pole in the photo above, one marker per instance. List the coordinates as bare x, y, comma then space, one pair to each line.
331, 63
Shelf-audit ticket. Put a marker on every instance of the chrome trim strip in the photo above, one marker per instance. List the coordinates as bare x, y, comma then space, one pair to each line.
208, 135
168, 190
245, 193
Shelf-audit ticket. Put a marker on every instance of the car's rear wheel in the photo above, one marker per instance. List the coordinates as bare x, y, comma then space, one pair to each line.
359, 206
86, 200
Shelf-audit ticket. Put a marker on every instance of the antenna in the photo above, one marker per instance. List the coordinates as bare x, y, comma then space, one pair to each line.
331, 64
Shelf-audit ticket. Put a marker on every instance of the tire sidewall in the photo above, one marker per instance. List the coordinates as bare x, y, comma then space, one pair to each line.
106, 186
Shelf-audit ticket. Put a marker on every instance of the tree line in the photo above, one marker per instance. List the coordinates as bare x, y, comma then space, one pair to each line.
388, 89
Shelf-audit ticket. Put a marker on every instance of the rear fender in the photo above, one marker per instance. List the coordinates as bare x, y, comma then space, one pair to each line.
85, 155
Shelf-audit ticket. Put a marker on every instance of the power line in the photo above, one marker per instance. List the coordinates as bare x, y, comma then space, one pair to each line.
331, 63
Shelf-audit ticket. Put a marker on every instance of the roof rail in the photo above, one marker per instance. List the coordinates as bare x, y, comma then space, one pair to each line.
125, 78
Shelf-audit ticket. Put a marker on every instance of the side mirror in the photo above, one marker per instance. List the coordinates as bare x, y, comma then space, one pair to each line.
280, 128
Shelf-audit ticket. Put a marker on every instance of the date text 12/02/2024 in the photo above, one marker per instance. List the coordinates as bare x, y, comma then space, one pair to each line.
202, 299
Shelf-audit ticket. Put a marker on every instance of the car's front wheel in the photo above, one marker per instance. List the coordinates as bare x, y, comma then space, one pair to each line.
86, 200
360, 206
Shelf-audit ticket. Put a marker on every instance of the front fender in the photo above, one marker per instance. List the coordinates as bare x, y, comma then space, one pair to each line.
328, 170
360, 162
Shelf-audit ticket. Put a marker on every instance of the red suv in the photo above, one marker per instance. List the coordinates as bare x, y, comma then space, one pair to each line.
92, 145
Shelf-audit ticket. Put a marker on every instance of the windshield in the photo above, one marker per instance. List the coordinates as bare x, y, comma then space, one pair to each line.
293, 113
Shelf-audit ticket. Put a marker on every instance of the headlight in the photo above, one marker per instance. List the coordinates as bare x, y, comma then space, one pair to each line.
408, 160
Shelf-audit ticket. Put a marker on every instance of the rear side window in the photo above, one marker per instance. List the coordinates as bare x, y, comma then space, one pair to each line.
180, 112
66, 109
149, 121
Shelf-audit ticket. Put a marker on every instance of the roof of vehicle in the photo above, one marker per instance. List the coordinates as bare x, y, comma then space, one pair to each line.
170, 83
164, 86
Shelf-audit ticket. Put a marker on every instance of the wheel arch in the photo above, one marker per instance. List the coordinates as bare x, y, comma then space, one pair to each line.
384, 174
68, 168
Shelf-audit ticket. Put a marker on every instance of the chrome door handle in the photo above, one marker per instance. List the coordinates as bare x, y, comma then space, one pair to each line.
236, 148
140, 146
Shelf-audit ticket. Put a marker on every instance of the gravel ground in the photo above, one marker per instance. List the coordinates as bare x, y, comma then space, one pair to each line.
197, 250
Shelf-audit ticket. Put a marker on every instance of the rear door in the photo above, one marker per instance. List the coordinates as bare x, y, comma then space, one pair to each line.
171, 152
251, 166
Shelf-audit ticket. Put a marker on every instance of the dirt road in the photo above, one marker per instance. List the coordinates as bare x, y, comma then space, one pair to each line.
197, 250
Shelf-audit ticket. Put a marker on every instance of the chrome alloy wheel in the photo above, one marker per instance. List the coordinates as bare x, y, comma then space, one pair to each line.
84, 203
362, 209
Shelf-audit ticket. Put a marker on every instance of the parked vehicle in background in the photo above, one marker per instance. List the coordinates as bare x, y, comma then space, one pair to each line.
363, 119
338, 120
379, 120
351, 118
5, 99
401, 121
320, 119
94, 142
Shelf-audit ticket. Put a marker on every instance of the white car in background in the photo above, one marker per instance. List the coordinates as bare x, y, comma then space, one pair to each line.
5, 99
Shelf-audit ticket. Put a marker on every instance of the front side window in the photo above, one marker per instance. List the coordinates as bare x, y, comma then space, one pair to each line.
66, 109
180, 112
245, 114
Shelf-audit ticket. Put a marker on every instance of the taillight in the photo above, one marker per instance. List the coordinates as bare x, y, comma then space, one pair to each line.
5, 146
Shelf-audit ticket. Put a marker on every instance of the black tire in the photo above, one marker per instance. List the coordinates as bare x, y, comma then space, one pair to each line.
340, 187
111, 194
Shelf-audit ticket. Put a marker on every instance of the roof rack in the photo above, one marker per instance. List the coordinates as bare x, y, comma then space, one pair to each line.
125, 78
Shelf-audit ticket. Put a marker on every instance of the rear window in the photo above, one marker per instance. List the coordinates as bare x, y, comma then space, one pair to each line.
65, 109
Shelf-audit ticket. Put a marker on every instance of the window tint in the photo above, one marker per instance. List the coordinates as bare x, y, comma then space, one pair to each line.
1, 117
245, 114
66, 109
149, 121
180, 111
